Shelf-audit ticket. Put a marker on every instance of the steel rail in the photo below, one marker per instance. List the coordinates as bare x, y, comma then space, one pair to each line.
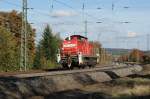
66, 72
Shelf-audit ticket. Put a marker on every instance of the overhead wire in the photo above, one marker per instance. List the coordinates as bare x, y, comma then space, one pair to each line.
10, 3
67, 5
52, 6
19, 6
35, 10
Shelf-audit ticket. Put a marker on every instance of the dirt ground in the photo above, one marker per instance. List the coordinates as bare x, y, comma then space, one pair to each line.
132, 87
124, 88
135, 86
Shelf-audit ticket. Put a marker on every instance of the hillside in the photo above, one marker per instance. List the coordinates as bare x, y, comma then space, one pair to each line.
116, 51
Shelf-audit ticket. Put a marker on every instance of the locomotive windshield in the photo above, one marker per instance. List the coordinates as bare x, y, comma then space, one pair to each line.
69, 38
78, 37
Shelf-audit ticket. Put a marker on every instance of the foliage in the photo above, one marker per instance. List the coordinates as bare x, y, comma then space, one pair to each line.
8, 55
47, 50
49, 44
104, 57
136, 55
123, 58
146, 59
37, 59
12, 21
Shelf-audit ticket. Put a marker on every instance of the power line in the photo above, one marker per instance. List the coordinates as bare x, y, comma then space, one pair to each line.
83, 13
67, 5
36, 10
52, 5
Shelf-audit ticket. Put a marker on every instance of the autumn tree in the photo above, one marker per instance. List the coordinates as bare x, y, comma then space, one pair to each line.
104, 57
146, 59
123, 58
12, 21
136, 55
8, 55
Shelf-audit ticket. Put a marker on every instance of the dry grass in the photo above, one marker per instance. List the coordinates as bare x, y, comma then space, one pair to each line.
130, 92
146, 68
129, 87
131, 81
124, 88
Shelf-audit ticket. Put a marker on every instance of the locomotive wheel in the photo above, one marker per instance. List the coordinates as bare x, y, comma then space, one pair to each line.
65, 66
90, 66
71, 68
83, 66
79, 66
69, 63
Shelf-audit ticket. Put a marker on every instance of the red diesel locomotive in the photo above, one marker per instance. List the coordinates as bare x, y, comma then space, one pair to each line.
77, 51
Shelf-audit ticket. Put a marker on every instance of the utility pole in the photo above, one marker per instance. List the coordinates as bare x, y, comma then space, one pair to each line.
148, 42
24, 32
85, 28
138, 45
113, 5
85, 20
98, 36
51, 6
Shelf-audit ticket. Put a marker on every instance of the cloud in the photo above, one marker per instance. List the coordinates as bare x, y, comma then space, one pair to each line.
63, 13
131, 34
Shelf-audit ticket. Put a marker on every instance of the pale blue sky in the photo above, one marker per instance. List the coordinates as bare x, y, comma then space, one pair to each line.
66, 17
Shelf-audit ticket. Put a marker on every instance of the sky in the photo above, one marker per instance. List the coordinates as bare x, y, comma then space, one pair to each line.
114, 23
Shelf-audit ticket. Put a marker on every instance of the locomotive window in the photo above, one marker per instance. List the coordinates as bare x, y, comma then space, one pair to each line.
69, 38
80, 39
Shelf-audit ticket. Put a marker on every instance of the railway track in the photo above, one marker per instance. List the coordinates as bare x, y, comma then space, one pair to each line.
43, 83
65, 72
